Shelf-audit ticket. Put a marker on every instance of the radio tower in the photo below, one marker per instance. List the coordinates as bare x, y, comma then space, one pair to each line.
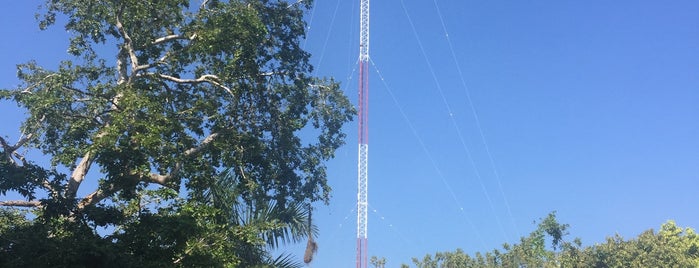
363, 162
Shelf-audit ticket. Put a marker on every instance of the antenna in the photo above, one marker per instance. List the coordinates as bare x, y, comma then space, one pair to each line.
363, 174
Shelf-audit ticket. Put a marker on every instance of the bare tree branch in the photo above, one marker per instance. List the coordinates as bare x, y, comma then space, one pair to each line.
29, 88
167, 54
96, 196
49, 187
11, 150
127, 39
121, 67
242, 173
14, 153
22, 140
20, 203
151, 65
208, 140
4, 144
163, 179
6, 148
189, 250
102, 193
20, 157
207, 78
81, 170
168, 38
203, 4
78, 175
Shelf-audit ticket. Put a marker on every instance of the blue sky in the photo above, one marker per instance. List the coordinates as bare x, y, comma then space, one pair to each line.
586, 108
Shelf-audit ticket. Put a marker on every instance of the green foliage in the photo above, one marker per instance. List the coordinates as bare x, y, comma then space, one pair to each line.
672, 246
154, 231
378, 262
195, 126
54, 242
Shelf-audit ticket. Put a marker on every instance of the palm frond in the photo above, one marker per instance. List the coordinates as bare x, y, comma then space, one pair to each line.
286, 261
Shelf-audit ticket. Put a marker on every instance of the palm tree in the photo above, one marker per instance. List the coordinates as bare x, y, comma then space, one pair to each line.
276, 224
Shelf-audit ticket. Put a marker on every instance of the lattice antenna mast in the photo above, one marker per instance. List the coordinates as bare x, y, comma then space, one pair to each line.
363, 162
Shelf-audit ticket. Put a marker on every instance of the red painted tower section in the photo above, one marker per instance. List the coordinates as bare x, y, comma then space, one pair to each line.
363, 161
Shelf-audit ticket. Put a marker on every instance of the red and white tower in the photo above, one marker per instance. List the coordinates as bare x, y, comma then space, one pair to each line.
363, 175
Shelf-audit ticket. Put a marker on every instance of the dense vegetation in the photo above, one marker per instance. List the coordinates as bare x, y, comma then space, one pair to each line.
547, 246
178, 133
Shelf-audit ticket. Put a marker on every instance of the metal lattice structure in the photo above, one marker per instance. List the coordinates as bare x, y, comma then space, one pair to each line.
363, 162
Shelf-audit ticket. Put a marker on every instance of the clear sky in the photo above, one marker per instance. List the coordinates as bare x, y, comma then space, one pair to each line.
588, 108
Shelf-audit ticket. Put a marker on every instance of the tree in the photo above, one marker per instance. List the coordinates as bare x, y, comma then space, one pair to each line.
672, 246
532, 250
159, 99
378, 262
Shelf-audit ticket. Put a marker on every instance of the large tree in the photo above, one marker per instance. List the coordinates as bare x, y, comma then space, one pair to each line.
155, 101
